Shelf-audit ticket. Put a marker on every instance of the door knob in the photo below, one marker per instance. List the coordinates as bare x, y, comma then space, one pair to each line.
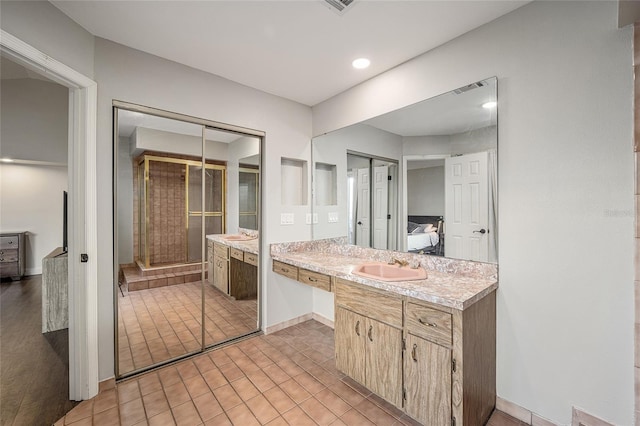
482, 231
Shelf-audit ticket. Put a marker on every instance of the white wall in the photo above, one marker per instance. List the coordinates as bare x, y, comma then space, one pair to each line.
332, 149
565, 303
34, 120
145, 80
44, 27
239, 149
32, 201
425, 191
34, 117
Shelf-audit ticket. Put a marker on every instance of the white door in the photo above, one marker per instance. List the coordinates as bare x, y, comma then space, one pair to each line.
467, 207
363, 207
380, 206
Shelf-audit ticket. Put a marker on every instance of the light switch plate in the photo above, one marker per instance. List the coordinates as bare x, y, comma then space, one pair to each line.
332, 217
315, 218
286, 218
308, 219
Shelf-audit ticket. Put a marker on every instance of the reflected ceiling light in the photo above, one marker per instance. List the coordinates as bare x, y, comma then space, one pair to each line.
6, 160
489, 105
361, 63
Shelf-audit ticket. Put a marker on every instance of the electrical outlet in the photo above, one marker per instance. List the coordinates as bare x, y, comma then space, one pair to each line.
286, 218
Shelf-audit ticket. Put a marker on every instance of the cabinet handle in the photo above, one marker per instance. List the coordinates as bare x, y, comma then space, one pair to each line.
369, 333
313, 280
358, 328
428, 324
285, 270
413, 353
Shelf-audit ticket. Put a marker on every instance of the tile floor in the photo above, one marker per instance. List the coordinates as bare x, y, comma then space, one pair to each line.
158, 324
285, 378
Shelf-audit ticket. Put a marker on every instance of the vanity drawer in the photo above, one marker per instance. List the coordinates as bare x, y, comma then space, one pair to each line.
369, 302
429, 323
314, 279
9, 242
237, 254
10, 255
221, 250
250, 258
286, 270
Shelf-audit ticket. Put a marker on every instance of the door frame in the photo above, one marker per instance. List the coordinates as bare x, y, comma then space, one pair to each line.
83, 212
405, 193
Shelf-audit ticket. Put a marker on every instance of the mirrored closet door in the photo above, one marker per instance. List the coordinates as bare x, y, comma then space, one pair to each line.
186, 235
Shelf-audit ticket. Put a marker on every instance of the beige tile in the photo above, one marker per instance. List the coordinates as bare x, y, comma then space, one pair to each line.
279, 399
177, 394
298, 417
207, 406
196, 386
80, 411
318, 412
214, 378
241, 415
219, 420
295, 391
262, 409
227, 397
132, 412
163, 419
155, 403
354, 417
128, 391
374, 413
333, 402
108, 417
186, 414
245, 389
149, 383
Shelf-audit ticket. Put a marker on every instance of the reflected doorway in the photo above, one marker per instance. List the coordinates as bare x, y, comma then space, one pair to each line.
372, 201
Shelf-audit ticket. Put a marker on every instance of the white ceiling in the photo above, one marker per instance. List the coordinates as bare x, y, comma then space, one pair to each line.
298, 49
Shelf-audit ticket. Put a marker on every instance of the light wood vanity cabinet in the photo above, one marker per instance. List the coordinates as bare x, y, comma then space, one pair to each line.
221, 267
436, 363
368, 339
305, 276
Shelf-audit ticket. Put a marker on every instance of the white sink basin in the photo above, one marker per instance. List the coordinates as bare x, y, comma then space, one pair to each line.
385, 272
237, 237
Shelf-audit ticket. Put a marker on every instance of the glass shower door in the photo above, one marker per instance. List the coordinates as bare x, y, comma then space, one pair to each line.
213, 206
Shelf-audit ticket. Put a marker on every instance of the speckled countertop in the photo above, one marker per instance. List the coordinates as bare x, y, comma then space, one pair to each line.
251, 246
454, 283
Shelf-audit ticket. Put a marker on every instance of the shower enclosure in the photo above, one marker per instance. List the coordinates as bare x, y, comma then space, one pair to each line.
169, 220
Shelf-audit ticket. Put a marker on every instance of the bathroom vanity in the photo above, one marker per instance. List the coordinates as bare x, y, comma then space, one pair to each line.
427, 346
232, 262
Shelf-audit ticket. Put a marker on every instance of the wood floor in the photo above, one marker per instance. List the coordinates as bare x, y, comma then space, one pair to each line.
34, 367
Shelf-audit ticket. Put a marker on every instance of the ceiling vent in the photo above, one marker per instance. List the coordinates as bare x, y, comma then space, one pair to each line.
339, 6
472, 86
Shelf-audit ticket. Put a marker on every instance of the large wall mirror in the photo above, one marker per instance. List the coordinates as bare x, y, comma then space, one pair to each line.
186, 235
421, 179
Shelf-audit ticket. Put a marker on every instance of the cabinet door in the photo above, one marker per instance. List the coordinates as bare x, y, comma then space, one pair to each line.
221, 274
427, 380
350, 331
384, 361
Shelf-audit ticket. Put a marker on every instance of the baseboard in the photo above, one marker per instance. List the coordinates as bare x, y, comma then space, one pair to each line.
322, 320
288, 323
521, 413
580, 418
299, 320
33, 271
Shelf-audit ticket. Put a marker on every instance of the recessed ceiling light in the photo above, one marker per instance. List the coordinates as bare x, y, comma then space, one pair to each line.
361, 63
6, 160
489, 105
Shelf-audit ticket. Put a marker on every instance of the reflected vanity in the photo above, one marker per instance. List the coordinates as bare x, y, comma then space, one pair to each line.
443, 199
182, 182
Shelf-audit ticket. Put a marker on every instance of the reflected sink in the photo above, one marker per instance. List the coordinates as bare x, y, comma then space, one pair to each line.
386, 272
237, 237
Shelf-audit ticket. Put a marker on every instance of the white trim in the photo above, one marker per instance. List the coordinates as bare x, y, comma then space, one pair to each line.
83, 278
405, 203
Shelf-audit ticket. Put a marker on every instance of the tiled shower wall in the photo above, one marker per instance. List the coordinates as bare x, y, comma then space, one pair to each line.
167, 223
